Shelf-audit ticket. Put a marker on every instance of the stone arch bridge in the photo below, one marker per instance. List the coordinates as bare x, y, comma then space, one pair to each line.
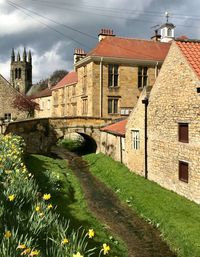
40, 134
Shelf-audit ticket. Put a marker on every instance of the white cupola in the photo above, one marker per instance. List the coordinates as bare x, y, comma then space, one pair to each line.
167, 30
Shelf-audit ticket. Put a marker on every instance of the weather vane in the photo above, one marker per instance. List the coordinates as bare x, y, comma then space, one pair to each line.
167, 16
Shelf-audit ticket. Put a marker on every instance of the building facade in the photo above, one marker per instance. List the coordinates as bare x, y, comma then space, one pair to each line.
112, 75
172, 153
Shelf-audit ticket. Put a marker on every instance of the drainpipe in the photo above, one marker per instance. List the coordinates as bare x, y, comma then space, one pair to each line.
145, 101
121, 156
101, 87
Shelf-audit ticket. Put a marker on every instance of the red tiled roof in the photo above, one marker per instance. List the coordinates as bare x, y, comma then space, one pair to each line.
131, 49
69, 79
191, 50
44, 93
117, 128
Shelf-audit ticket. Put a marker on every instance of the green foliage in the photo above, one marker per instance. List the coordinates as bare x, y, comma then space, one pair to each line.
177, 218
71, 145
29, 223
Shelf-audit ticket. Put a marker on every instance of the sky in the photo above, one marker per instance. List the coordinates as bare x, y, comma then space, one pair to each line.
52, 29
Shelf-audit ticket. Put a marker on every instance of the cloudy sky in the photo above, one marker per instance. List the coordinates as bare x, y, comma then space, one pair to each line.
52, 29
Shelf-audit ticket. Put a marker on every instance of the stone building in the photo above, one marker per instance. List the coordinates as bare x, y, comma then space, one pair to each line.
44, 100
63, 96
112, 140
112, 75
171, 155
21, 71
7, 95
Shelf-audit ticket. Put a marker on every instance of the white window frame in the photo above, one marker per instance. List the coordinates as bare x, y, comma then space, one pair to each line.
135, 134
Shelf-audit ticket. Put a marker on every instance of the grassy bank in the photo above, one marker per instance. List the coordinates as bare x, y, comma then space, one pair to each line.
177, 218
54, 175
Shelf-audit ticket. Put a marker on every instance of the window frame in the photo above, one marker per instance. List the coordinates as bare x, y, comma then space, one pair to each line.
181, 134
113, 75
113, 105
135, 135
142, 76
183, 177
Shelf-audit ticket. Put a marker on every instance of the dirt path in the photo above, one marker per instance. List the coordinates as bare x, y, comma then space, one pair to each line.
141, 238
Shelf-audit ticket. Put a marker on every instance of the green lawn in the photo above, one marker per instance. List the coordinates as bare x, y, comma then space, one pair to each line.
177, 218
69, 199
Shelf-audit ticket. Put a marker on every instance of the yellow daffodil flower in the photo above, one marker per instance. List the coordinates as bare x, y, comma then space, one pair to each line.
91, 233
77, 255
46, 197
37, 208
11, 198
50, 206
26, 251
34, 253
105, 249
65, 241
8, 234
21, 246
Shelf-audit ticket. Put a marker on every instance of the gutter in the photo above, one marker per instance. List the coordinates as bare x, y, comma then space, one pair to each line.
145, 101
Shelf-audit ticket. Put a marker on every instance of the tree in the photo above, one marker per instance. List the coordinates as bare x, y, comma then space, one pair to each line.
26, 104
57, 76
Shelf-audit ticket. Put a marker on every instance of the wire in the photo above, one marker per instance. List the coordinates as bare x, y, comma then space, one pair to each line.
45, 24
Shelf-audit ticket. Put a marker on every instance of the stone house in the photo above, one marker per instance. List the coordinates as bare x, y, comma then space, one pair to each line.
7, 95
112, 75
112, 140
163, 131
63, 96
44, 100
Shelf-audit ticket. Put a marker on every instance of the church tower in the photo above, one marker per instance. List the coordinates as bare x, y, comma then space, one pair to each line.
21, 71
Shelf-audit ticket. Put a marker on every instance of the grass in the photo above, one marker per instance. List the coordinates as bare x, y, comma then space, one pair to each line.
69, 199
177, 218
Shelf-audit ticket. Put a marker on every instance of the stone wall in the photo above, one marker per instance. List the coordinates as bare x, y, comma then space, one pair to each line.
174, 99
45, 104
7, 96
113, 146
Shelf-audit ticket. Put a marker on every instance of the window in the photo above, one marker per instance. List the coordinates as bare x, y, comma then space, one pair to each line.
74, 90
48, 104
135, 139
85, 106
113, 105
169, 32
142, 77
113, 75
183, 171
19, 73
183, 134
85, 80
7, 116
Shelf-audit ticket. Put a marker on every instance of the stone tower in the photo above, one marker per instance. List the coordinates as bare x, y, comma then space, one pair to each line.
21, 71
167, 30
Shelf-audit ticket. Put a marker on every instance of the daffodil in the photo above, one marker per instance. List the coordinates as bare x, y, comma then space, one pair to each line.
77, 255
26, 251
46, 197
91, 233
7, 234
21, 246
105, 249
34, 253
50, 206
65, 241
11, 198
37, 208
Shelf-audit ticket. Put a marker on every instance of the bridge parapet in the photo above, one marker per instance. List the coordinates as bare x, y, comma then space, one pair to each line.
40, 134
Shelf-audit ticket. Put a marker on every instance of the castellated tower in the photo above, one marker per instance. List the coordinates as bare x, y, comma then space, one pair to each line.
21, 71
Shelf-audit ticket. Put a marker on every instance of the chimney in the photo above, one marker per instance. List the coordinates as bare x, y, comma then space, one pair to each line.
156, 36
105, 33
79, 54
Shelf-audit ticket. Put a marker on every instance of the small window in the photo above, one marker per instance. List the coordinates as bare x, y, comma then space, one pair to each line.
183, 132
113, 105
183, 171
169, 32
113, 75
7, 116
135, 139
142, 77
19, 73
84, 106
